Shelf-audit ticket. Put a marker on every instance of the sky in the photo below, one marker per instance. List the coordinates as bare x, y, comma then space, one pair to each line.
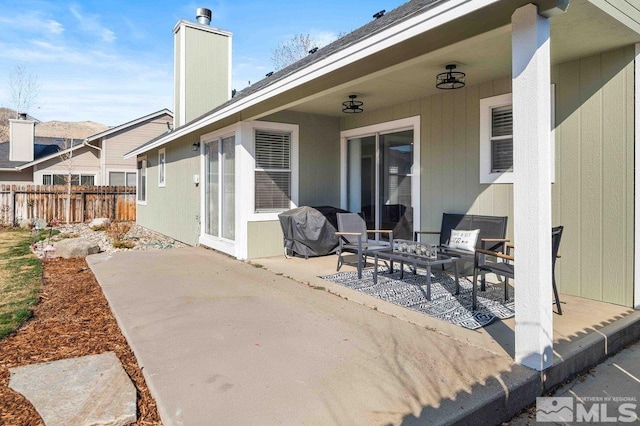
112, 61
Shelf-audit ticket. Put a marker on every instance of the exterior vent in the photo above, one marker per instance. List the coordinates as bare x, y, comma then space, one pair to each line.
203, 15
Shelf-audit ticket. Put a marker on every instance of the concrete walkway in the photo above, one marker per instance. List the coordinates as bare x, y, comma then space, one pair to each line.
223, 342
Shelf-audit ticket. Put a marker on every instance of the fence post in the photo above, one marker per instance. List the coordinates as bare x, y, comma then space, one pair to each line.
12, 206
115, 200
83, 207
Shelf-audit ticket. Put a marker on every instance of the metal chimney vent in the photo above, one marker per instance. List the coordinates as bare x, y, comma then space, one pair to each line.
203, 15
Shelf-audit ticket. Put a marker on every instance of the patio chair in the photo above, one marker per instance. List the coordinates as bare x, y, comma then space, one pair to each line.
506, 267
352, 232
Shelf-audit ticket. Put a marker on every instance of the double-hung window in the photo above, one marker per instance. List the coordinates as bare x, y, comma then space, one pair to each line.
273, 171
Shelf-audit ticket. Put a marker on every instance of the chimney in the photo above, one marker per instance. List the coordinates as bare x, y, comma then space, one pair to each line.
203, 16
21, 138
202, 67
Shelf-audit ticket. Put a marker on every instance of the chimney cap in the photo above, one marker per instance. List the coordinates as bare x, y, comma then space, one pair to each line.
203, 15
22, 116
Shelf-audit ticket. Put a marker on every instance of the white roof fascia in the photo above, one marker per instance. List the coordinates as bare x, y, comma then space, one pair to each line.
439, 15
49, 157
128, 124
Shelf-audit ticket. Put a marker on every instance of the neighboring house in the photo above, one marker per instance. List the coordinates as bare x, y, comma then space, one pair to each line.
95, 160
552, 92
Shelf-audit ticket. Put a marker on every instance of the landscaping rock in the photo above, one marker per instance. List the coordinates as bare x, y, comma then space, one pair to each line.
40, 223
99, 222
25, 223
75, 247
89, 390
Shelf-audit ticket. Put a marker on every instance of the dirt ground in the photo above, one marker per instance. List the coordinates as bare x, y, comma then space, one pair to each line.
72, 319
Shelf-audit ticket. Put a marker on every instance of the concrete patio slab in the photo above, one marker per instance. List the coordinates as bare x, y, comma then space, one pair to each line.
88, 390
223, 342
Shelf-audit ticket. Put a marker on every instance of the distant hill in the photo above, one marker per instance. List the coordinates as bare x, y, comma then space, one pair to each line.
53, 129
64, 129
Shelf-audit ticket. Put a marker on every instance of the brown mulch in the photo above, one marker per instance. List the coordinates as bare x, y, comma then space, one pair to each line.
72, 319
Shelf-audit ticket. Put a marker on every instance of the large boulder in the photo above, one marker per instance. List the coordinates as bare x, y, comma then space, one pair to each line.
75, 247
99, 222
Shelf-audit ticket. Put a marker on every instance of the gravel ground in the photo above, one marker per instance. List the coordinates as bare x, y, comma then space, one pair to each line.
143, 238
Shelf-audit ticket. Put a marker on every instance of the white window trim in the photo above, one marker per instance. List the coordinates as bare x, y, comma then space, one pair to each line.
486, 104
280, 127
410, 123
146, 181
162, 168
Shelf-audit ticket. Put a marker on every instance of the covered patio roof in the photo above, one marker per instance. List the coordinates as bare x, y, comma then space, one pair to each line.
398, 62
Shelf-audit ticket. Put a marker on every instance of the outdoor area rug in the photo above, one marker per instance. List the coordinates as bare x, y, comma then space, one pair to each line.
411, 292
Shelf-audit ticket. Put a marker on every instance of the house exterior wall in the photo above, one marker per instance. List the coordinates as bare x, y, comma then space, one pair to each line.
319, 177
84, 161
23, 177
173, 210
116, 145
593, 189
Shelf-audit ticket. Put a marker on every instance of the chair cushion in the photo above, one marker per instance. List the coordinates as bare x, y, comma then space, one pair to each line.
463, 240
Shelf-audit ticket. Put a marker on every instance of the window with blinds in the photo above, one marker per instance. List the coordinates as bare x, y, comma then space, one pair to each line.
272, 170
142, 180
502, 139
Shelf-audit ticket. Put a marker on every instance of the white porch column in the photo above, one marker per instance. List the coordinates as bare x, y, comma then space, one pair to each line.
531, 75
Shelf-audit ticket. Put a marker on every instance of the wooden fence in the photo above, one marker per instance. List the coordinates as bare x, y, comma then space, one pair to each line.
18, 202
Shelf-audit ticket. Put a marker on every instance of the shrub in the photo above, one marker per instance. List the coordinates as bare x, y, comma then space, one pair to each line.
117, 231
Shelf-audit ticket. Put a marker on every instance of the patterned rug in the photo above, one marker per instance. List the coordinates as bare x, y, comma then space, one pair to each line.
411, 293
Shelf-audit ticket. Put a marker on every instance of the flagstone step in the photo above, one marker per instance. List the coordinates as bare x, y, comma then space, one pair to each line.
89, 390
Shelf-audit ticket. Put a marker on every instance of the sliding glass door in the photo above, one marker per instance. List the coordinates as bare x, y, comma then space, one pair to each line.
379, 185
220, 188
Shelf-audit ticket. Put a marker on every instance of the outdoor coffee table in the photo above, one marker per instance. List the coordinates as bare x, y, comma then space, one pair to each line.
416, 261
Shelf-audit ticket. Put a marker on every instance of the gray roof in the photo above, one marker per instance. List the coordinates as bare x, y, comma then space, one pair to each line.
43, 147
394, 17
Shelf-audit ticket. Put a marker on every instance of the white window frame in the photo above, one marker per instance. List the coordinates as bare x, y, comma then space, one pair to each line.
294, 164
63, 173
410, 123
109, 171
486, 105
162, 168
145, 166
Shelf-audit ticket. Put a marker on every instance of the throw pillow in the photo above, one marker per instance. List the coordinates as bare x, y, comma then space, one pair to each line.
464, 240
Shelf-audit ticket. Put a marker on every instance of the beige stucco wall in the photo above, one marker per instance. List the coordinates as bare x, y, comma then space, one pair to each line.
593, 190
173, 210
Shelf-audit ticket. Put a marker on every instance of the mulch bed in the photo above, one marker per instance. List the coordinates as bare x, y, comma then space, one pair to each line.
72, 319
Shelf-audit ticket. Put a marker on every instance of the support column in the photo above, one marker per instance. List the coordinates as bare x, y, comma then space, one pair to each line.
531, 73
636, 245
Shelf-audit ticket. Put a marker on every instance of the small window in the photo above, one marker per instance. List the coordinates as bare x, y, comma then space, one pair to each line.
46, 180
162, 167
87, 180
141, 189
116, 178
131, 178
272, 171
496, 139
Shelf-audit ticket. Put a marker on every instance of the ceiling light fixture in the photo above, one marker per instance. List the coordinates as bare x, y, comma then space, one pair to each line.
352, 106
451, 79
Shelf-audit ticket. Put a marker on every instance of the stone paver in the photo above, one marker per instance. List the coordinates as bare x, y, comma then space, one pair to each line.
89, 390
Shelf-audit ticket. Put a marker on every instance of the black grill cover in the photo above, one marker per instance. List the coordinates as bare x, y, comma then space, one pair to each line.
310, 231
